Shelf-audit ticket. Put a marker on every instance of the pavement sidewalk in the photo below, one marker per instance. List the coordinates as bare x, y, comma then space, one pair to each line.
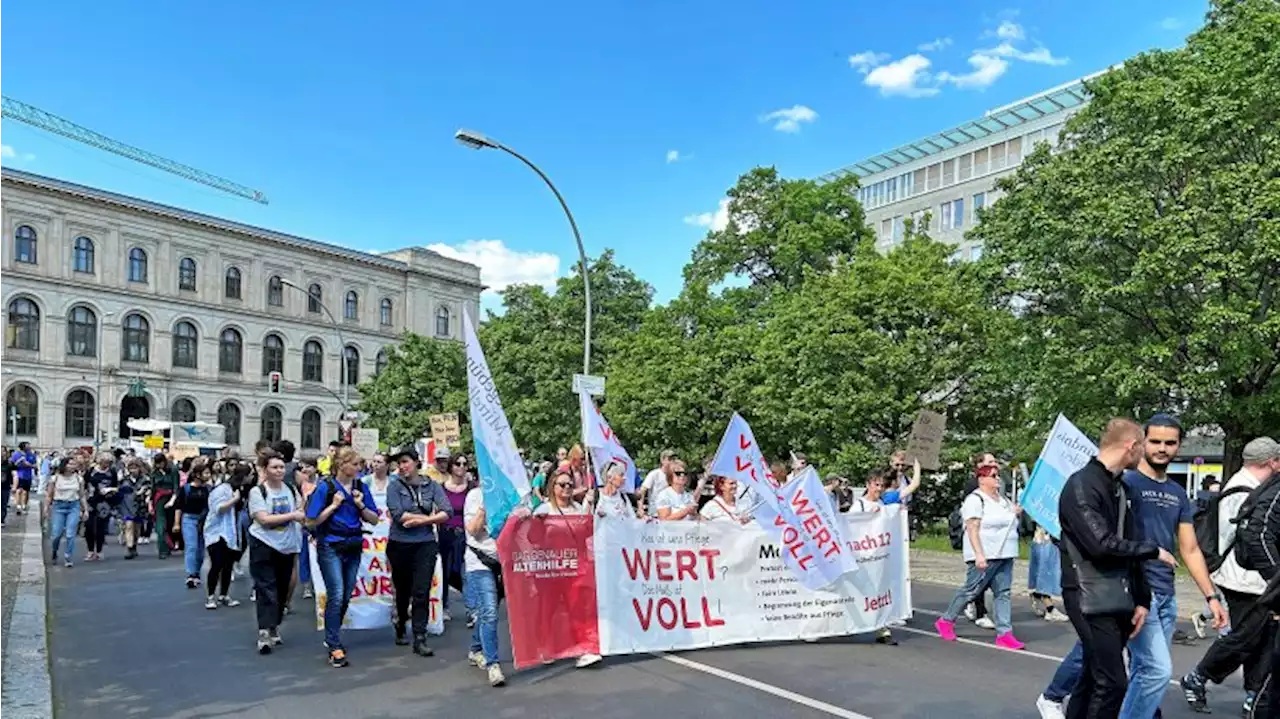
25, 681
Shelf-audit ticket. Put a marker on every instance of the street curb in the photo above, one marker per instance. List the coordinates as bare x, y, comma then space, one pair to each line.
27, 685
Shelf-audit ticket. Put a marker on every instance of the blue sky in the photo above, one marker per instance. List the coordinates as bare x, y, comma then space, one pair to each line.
643, 113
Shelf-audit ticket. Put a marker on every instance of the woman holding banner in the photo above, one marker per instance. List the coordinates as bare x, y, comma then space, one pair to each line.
611, 502
560, 498
676, 503
724, 505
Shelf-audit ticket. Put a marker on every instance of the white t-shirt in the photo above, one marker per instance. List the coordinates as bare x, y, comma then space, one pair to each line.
654, 482
673, 500
284, 538
998, 529
717, 509
1230, 575
614, 505
482, 541
862, 504
547, 508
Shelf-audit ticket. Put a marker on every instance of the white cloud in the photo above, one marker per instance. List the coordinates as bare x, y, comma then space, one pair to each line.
673, 156
1170, 23
1040, 55
789, 119
501, 266
936, 45
908, 77
8, 153
714, 221
1009, 30
864, 61
986, 70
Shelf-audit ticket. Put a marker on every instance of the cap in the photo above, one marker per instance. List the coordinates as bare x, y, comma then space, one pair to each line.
1261, 450
833, 478
400, 452
443, 453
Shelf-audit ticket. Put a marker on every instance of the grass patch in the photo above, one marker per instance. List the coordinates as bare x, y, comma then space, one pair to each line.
940, 542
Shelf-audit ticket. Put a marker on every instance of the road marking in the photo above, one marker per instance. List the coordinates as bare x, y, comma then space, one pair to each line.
779, 692
976, 643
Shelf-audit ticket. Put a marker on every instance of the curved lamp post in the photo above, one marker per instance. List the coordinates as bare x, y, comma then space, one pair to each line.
477, 141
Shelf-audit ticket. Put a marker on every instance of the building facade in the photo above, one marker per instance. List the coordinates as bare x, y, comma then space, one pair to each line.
119, 308
948, 177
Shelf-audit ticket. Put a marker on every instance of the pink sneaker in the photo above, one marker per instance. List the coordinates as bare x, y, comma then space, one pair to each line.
1008, 641
947, 630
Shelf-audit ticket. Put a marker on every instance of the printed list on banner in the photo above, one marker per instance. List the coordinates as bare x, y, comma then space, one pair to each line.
664, 586
604, 444
1067, 451
503, 480
800, 514
373, 600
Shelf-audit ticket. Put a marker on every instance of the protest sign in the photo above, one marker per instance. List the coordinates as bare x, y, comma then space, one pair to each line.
925, 443
446, 430
1066, 451
548, 572
364, 441
605, 446
664, 586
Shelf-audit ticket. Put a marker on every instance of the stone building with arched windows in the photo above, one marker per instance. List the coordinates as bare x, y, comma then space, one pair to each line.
117, 307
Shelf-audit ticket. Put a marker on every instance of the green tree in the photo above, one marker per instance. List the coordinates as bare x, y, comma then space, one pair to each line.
423, 377
1145, 256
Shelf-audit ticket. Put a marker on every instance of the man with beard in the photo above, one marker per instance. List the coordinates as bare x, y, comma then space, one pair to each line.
1162, 514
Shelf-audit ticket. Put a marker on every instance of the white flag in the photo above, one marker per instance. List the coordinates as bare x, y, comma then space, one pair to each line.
604, 444
503, 480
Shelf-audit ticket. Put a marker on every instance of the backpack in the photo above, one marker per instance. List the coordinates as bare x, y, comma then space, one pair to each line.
1250, 521
955, 524
1205, 522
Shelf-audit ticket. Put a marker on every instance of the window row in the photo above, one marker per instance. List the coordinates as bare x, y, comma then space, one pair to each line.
23, 333
80, 414
951, 216
82, 260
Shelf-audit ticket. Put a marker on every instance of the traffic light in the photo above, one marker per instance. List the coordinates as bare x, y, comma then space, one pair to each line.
274, 383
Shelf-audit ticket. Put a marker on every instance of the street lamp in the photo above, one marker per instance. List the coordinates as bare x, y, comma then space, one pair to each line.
342, 350
477, 141
102, 336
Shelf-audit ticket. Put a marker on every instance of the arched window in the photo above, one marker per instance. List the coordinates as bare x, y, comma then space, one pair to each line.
310, 429
79, 413
442, 321
275, 291
312, 362
379, 362
22, 399
137, 265
230, 352
187, 274
272, 354
231, 285
272, 424
384, 311
82, 332
351, 308
184, 410
186, 343
229, 418
137, 339
351, 366
23, 332
24, 244
82, 255
315, 296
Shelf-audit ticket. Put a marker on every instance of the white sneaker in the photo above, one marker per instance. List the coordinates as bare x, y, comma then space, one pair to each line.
211, 602
229, 602
1049, 709
1056, 615
445, 615
1198, 623
476, 659
970, 611
985, 623
587, 660
495, 676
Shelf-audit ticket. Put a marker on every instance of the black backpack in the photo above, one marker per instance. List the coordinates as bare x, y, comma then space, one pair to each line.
1250, 522
955, 524
1206, 525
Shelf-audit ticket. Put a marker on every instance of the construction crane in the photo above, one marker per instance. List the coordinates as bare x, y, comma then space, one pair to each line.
34, 116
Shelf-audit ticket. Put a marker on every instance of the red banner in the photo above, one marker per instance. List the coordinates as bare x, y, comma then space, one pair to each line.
548, 568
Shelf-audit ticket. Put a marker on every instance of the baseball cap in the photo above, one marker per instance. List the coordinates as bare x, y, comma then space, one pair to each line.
400, 452
443, 453
1261, 450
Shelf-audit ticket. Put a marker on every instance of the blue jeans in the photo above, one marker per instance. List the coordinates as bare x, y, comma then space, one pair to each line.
64, 520
339, 574
1150, 662
192, 544
304, 559
998, 577
480, 590
1068, 675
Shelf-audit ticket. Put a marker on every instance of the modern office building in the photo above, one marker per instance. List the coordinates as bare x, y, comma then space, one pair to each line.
952, 174
119, 308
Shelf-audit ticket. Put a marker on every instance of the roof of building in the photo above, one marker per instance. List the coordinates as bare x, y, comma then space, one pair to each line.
1054, 100
216, 223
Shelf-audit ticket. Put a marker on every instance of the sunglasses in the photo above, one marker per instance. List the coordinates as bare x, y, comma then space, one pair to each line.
564, 485
460, 463
679, 474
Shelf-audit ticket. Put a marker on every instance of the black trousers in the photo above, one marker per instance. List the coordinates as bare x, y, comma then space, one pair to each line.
1248, 645
95, 531
221, 560
271, 571
1103, 680
413, 564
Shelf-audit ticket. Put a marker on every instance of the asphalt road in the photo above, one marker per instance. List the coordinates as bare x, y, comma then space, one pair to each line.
129, 640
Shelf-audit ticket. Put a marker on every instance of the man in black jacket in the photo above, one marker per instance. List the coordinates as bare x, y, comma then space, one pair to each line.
1104, 589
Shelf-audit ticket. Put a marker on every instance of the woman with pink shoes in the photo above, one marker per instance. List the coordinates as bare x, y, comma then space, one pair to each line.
990, 546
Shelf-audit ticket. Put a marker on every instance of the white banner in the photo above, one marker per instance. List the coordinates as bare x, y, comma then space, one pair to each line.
373, 601
605, 446
664, 586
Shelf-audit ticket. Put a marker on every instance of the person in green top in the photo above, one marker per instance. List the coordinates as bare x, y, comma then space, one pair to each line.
164, 488
539, 485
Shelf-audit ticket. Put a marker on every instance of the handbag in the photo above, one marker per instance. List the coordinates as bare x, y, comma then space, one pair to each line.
494, 566
1103, 590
